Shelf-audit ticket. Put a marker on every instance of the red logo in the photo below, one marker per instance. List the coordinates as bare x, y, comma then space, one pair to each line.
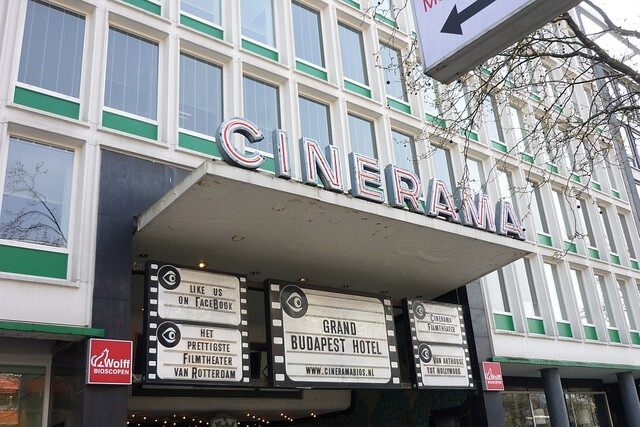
110, 361
492, 376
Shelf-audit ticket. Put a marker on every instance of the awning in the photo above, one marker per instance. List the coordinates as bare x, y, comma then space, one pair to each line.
251, 222
45, 331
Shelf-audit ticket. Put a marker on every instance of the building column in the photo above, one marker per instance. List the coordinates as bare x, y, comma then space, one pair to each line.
555, 397
629, 395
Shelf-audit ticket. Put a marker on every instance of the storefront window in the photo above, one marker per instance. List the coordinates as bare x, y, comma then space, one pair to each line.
517, 409
22, 391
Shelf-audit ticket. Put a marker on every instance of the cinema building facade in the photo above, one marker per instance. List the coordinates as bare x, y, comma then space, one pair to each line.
242, 192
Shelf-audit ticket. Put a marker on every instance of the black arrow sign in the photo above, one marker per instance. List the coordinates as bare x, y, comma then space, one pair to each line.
453, 24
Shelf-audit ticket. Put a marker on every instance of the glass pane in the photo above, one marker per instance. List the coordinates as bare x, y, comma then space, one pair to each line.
606, 227
517, 409
257, 21
430, 96
307, 34
492, 119
21, 397
403, 150
314, 121
524, 278
625, 299
132, 74
391, 63
585, 225
475, 182
561, 211
37, 193
540, 410
442, 167
262, 107
209, 10
539, 218
51, 55
605, 303
590, 410
506, 190
581, 298
497, 291
200, 95
519, 129
352, 54
361, 136
555, 293
627, 236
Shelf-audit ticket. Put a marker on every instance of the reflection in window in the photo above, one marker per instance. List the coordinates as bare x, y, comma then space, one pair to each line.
606, 226
262, 107
492, 118
391, 63
200, 95
306, 34
519, 129
362, 136
431, 100
585, 223
51, 55
37, 193
581, 297
517, 409
476, 182
315, 121
561, 211
22, 391
535, 206
497, 291
524, 279
506, 189
605, 301
257, 21
132, 74
403, 149
627, 236
209, 10
625, 299
352, 54
443, 169
555, 293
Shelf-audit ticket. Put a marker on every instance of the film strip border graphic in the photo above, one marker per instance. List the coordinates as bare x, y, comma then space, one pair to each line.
417, 366
279, 377
153, 320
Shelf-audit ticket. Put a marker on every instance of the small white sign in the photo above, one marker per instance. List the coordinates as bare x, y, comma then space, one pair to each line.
444, 366
437, 323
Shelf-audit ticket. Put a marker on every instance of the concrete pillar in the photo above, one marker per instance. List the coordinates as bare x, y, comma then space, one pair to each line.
555, 397
629, 395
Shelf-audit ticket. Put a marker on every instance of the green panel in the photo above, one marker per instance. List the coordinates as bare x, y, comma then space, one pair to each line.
535, 97
596, 186
435, 120
397, 105
469, 134
615, 193
526, 157
33, 262
536, 326
558, 108
614, 335
635, 265
570, 247
268, 165
590, 332
564, 330
386, 20
352, 3
504, 322
566, 363
509, 83
551, 168
615, 259
312, 71
129, 125
635, 338
599, 130
356, 88
24, 370
198, 144
485, 71
593, 253
260, 50
575, 178
544, 239
52, 329
499, 146
202, 27
47, 103
146, 5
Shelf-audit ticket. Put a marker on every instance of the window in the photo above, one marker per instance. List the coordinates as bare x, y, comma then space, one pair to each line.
315, 121
606, 226
385, 8
476, 182
626, 141
492, 118
625, 299
627, 236
555, 293
605, 302
497, 291
566, 228
443, 169
362, 136
585, 225
404, 152
37, 193
22, 395
200, 108
257, 21
537, 213
51, 55
519, 129
262, 107
208, 10
506, 190
524, 278
461, 101
307, 34
132, 74
581, 297
392, 72
431, 100
352, 54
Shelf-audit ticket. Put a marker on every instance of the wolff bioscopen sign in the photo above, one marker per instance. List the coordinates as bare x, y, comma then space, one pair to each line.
404, 189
